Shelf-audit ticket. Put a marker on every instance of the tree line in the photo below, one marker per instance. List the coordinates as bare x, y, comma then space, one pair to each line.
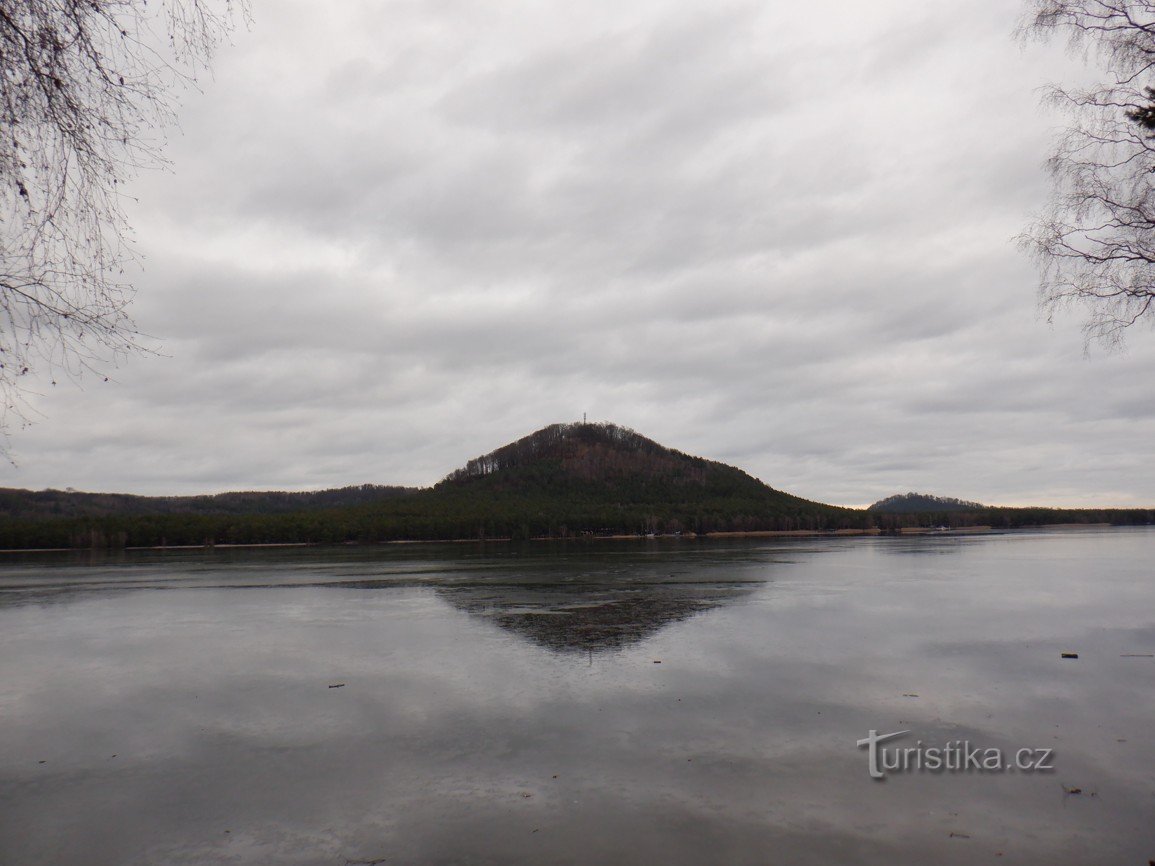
465, 515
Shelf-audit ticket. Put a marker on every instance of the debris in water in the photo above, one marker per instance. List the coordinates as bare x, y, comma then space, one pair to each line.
341, 686
1070, 655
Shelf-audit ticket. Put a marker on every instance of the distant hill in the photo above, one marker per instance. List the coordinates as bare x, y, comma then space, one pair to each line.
17, 503
567, 458
563, 481
915, 503
603, 479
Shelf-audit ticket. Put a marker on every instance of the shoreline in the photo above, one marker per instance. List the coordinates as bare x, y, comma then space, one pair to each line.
754, 533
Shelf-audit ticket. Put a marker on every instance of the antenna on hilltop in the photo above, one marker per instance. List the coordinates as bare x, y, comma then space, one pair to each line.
583, 417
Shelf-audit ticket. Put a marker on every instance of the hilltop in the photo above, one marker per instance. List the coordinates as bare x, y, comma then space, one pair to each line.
915, 503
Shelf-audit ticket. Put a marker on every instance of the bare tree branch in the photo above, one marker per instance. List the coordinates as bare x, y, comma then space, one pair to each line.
86, 88
1095, 242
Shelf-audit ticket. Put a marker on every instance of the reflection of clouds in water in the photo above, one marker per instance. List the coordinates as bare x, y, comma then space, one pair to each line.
591, 618
455, 740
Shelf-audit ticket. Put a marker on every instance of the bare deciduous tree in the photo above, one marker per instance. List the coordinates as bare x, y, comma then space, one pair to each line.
1095, 242
86, 89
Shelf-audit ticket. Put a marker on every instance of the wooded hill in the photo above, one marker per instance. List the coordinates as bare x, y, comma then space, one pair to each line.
564, 481
914, 503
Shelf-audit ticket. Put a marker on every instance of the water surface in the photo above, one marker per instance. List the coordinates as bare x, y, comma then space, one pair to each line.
651, 702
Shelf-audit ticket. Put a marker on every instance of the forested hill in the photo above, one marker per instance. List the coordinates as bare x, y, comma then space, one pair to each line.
605, 458
72, 503
603, 478
911, 510
913, 503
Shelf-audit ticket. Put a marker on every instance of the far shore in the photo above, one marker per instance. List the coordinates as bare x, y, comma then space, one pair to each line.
760, 533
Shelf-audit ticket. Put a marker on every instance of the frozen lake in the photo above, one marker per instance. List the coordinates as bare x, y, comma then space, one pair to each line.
610, 703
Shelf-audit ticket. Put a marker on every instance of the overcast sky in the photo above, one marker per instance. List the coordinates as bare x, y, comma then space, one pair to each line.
397, 235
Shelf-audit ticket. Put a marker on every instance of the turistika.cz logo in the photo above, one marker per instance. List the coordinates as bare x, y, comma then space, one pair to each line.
957, 756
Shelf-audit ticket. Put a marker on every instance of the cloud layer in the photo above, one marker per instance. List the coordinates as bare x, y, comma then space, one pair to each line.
401, 234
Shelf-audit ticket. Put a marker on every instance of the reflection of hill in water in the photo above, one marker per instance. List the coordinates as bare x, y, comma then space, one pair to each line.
590, 618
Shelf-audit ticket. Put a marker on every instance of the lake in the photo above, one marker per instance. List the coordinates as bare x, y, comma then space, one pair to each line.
673, 702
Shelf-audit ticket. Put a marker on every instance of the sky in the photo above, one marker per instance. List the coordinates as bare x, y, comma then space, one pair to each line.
397, 235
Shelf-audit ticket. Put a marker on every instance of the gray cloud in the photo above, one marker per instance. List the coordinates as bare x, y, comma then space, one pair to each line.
401, 234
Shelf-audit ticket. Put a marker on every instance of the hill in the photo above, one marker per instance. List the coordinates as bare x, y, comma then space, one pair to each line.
606, 479
915, 503
611, 463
